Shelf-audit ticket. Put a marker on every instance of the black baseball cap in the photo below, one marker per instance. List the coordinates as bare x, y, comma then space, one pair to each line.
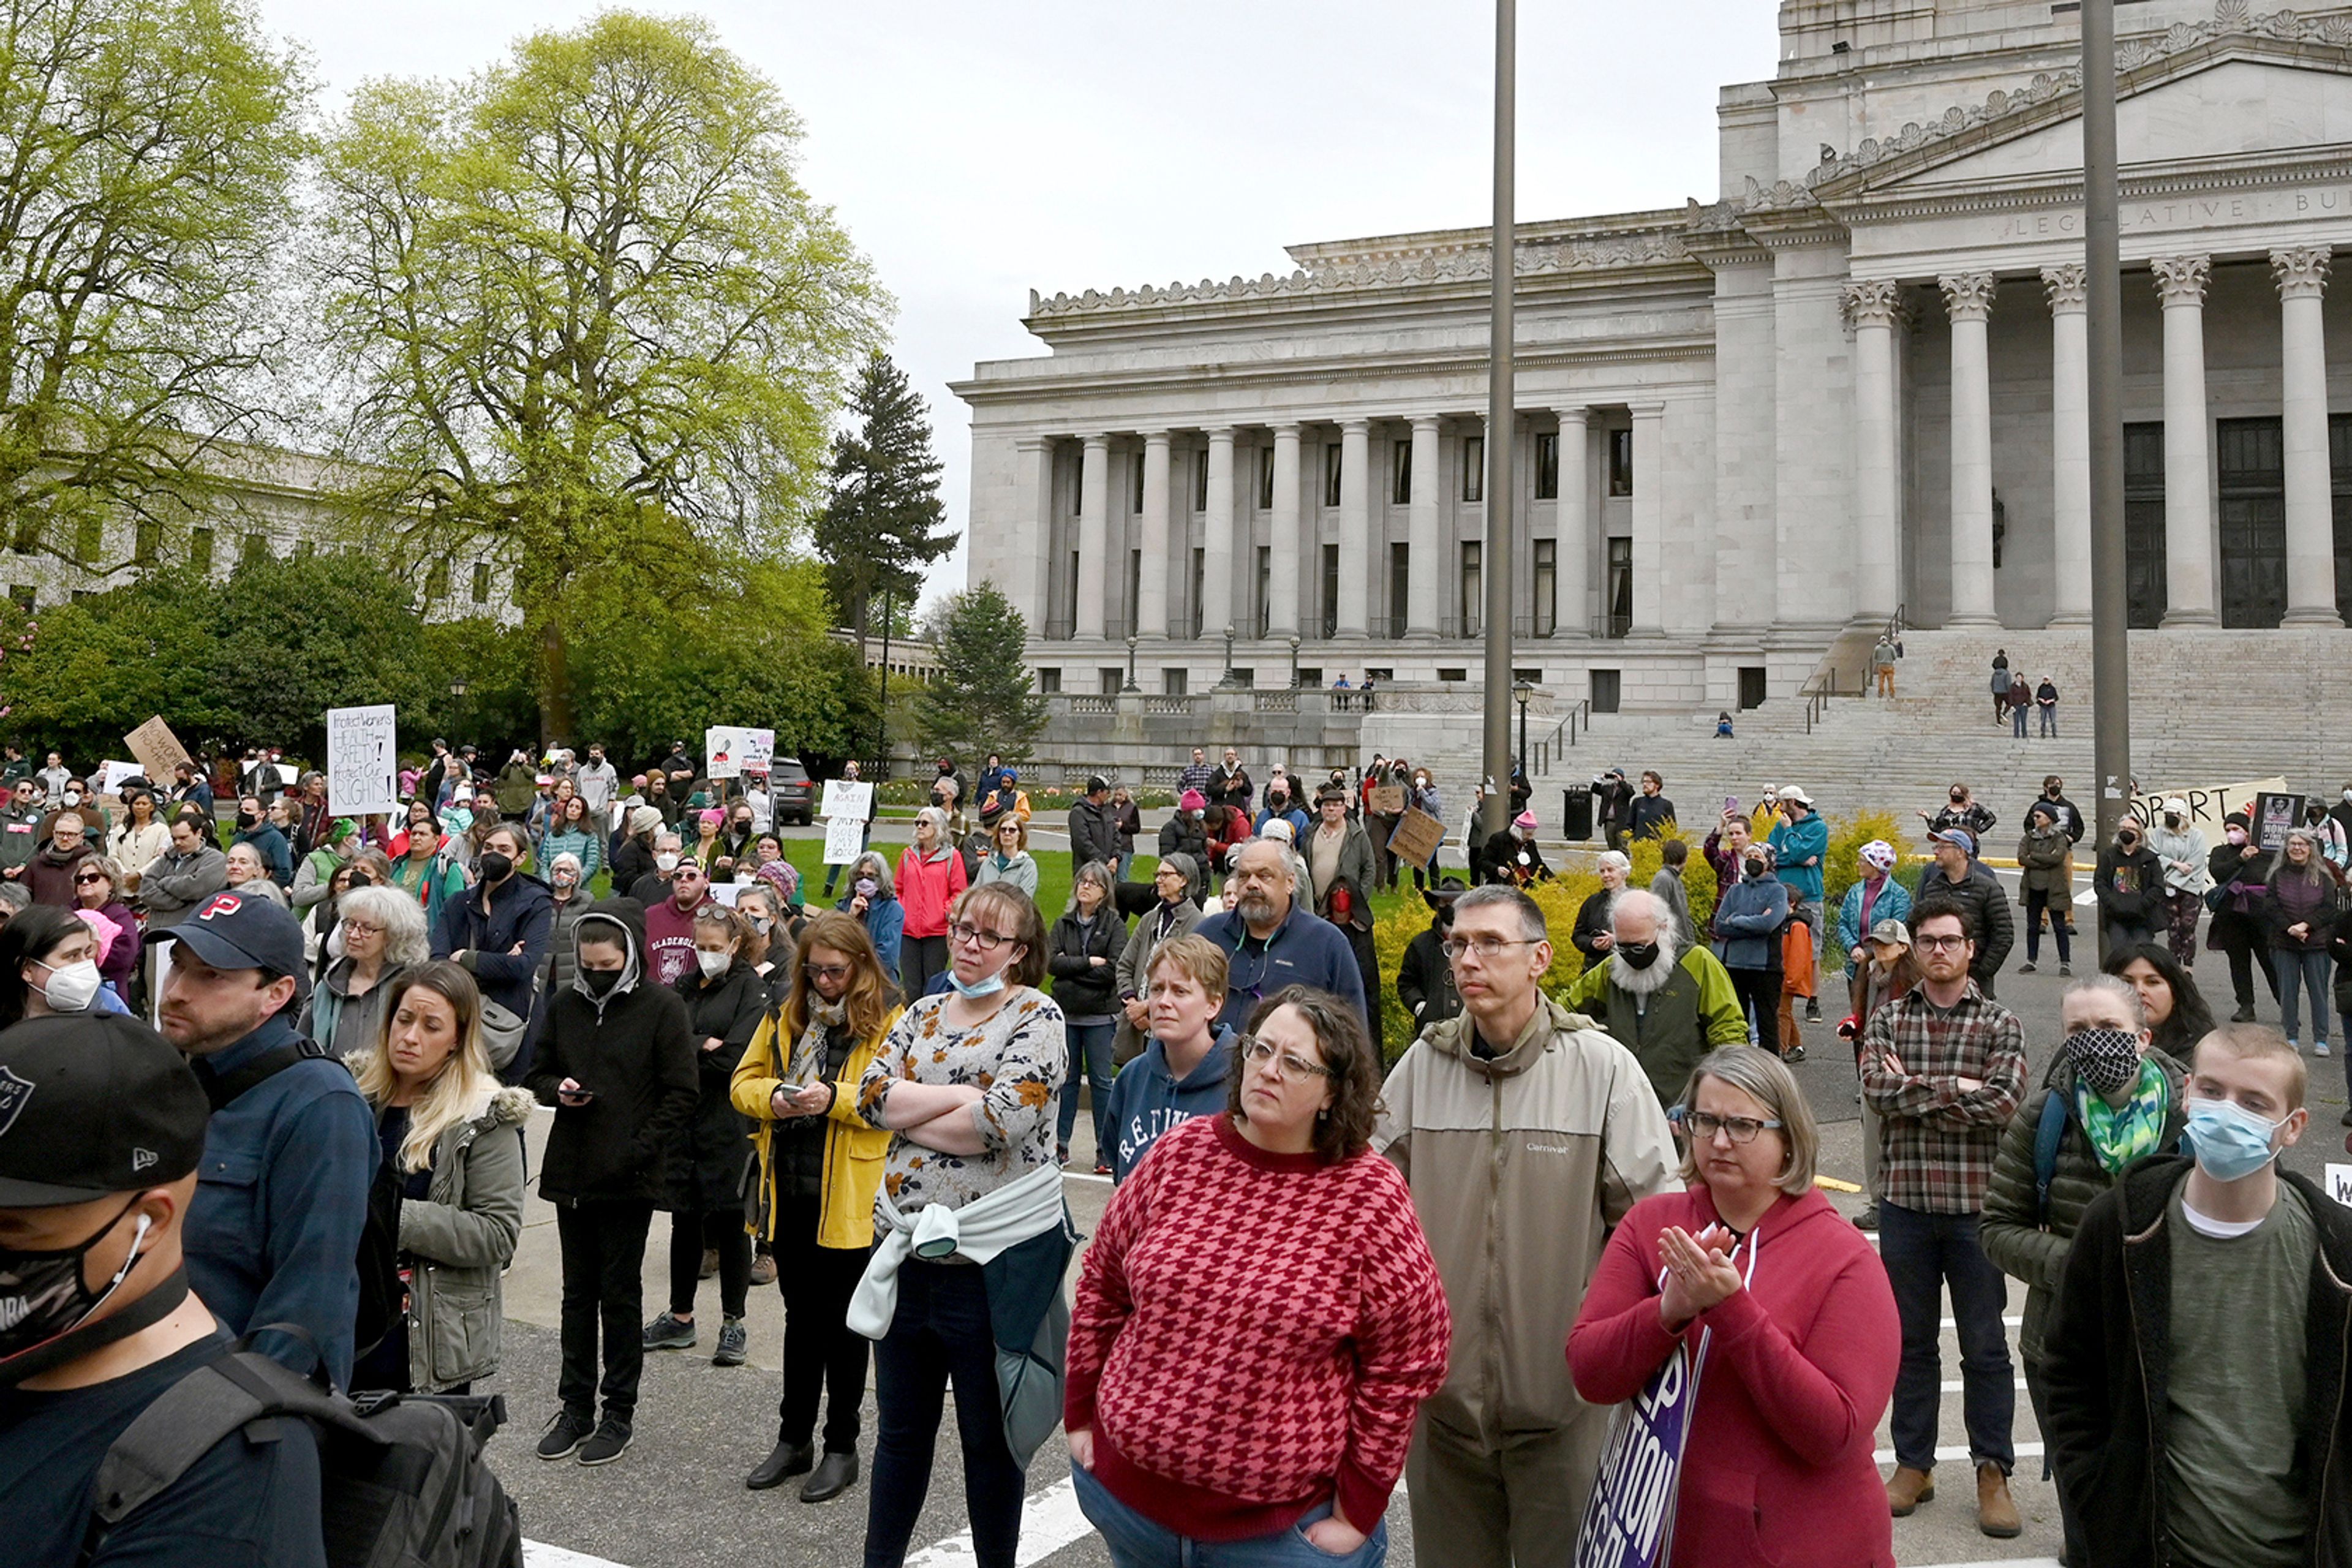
93, 1104
234, 931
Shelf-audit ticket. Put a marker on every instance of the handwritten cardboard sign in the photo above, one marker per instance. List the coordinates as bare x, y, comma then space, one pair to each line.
1387, 800
847, 797
1416, 837
158, 750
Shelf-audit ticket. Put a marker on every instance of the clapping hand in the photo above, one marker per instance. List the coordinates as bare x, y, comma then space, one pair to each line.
1699, 1272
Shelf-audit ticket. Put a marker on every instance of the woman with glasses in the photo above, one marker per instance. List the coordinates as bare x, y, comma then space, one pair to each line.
1008, 860
1177, 880
931, 877
1085, 948
820, 1165
1269, 1414
965, 1084
96, 884
872, 898
383, 932
1791, 1308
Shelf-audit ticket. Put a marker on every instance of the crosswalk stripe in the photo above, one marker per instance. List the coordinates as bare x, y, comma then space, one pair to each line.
539, 1554
1050, 1520
2025, 1451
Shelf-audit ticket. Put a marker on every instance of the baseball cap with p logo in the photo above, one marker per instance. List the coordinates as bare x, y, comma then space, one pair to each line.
233, 931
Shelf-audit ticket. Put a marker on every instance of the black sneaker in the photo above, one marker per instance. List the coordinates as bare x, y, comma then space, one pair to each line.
2244, 1014
610, 1442
667, 1333
732, 1342
564, 1434
1868, 1219
1813, 1012
2028, 967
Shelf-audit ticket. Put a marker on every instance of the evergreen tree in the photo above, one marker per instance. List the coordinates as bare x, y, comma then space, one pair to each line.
982, 700
883, 520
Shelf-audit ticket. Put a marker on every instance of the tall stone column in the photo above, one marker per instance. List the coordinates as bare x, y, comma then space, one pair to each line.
1217, 609
1282, 580
1354, 608
1151, 582
2188, 472
1094, 536
1033, 588
1968, 299
1428, 572
1572, 523
2311, 599
1873, 305
2070, 442
1649, 519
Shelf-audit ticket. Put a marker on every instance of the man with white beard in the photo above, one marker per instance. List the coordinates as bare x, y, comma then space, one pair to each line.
1668, 1006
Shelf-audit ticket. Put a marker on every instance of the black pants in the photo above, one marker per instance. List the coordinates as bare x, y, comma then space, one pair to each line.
920, 959
822, 1357
2039, 902
940, 1334
602, 1242
691, 1230
2246, 952
1758, 991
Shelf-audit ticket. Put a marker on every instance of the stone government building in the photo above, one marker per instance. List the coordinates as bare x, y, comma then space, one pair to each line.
1853, 385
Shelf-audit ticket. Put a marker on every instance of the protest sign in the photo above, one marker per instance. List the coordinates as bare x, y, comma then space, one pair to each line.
2339, 1183
2274, 814
1629, 1519
158, 750
845, 839
847, 797
362, 760
1416, 837
734, 750
117, 772
1386, 801
2207, 804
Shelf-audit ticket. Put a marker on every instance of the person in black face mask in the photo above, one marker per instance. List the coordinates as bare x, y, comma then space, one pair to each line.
99, 1141
497, 929
1667, 1006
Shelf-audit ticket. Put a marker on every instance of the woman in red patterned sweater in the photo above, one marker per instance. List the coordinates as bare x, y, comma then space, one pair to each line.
1258, 1319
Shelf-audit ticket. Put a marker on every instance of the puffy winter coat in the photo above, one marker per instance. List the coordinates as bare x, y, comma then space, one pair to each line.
462, 1235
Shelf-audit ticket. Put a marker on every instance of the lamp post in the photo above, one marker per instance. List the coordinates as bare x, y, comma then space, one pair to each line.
1228, 677
1131, 684
1294, 661
457, 702
1523, 689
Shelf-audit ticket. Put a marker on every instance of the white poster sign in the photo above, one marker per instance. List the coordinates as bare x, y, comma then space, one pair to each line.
362, 760
847, 797
730, 751
845, 839
2209, 805
727, 893
116, 773
2339, 1183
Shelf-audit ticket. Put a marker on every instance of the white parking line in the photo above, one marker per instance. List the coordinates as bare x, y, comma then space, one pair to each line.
1050, 1520
2025, 1451
539, 1554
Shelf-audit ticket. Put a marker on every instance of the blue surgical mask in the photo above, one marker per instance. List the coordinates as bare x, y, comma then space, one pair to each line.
2231, 1142
979, 988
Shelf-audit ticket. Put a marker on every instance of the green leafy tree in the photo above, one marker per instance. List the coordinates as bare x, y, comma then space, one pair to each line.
147, 148
580, 305
883, 520
982, 698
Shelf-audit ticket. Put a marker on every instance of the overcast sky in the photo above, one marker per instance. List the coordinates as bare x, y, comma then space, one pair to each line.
975, 151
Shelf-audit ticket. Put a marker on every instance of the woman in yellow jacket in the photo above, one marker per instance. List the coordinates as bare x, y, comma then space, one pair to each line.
819, 1164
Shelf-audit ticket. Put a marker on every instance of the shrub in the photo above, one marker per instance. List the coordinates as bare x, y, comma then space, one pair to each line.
1841, 867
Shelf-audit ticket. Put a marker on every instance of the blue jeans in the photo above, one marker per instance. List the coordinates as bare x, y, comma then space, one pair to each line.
2017, 720
1090, 1065
2049, 721
2299, 971
1923, 1252
1136, 1541
940, 1334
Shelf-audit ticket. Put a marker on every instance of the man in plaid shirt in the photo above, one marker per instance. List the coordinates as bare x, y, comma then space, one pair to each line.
1943, 1068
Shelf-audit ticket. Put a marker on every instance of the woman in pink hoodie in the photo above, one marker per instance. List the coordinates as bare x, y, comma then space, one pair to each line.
1785, 1311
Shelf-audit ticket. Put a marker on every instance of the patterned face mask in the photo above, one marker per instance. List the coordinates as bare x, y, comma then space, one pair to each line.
2107, 1060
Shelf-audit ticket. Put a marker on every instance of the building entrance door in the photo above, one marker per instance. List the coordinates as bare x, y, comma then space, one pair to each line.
2144, 523
2252, 522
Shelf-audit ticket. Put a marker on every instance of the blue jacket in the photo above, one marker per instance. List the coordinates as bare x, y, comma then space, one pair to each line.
1749, 916
1893, 903
273, 1233
1147, 1100
886, 921
1295, 817
524, 912
276, 854
1305, 949
1795, 843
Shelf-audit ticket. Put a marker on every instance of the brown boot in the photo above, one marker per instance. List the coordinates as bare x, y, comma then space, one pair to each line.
1996, 1512
1906, 1488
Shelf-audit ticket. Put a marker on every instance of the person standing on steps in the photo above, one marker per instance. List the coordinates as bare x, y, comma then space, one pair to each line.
1882, 662
2045, 700
2001, 684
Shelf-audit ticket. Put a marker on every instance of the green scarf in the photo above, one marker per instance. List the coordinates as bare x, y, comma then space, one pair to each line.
2120, 1137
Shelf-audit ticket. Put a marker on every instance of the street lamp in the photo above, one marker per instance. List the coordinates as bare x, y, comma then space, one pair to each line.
1228, 679
1523, 689
1294, 661
457, 702
1131, 684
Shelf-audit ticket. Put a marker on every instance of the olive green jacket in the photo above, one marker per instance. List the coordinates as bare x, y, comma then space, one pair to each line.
462, 1235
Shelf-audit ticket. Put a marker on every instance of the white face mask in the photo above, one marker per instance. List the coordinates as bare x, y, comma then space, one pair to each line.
72, 987
712, 964
666, 862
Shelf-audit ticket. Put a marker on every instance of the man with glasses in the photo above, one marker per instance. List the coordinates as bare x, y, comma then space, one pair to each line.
1943, 1068
669, 924
1272, 940
1525, 1134
50, 876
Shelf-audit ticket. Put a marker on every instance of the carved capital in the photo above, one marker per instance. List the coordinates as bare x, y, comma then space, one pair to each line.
2181, 279
2068, 286
1967, 296
2301, 272
1872, 302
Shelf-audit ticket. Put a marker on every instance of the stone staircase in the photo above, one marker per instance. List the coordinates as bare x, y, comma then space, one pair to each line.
2207, 707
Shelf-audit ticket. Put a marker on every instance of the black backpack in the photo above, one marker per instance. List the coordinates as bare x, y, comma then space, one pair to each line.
402, 1478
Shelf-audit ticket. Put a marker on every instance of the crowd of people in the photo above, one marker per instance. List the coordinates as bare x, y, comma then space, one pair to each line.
278, 1090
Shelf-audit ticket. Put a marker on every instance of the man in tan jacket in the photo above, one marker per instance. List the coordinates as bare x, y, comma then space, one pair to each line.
1524, 1133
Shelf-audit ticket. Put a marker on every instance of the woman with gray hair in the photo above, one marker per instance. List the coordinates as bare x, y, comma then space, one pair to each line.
1591, 935
930, 879
383, 932
1177, 880
2300, 907
1081, 952
873, 897
1789, 1304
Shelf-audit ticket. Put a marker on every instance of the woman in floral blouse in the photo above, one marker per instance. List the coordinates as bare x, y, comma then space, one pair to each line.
966, 1084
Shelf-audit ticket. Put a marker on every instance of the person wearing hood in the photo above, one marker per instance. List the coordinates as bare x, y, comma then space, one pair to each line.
1796, 1318
1749, 917
1177, 882
382, 932
440, 1116
2130, 888
1008, 860
2240, 869
2116, 1100
1524, 1133
1186, 832
725, 998
617, 1062
496, 930
872, 898
2182, 850
1185, 1064
1426, 979
2045, 859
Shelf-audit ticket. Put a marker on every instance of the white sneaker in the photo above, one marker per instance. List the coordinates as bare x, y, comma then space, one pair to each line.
2320, 1049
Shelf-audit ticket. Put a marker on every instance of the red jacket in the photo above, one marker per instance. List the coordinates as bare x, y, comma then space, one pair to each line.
1779, 1468
926, 888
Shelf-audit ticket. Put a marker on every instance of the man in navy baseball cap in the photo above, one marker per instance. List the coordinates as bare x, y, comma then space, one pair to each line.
273, 1236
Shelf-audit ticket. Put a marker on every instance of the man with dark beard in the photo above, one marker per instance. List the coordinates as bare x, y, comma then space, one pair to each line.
1667, 1006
